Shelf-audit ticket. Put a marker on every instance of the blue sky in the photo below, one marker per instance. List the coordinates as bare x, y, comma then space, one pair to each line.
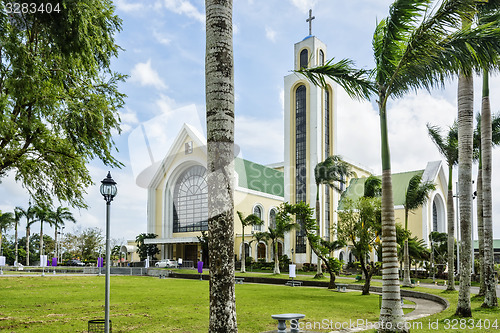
163, 53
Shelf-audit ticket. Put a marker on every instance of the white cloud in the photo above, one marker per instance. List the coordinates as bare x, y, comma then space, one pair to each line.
128, 119
184, 7
145, 75
271, 34
130, 7
161, 38
304, 5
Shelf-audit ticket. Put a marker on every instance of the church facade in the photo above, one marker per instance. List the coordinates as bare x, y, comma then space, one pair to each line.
177, 193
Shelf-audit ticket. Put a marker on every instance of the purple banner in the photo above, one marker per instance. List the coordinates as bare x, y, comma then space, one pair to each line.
54, 262
100, 262
200, 267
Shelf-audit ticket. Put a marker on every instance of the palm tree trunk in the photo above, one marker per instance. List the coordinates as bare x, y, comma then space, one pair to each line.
319, 272
480, 229
451, 231
276, 258
244, 251
465, 130
16, 244
391, 312
490, 298
406, 279
219, 82
41, 239
27, 245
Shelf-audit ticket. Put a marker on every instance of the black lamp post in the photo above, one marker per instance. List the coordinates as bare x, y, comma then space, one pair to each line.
108, 191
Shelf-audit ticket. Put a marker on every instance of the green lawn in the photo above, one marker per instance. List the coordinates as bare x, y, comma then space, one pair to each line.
146, 304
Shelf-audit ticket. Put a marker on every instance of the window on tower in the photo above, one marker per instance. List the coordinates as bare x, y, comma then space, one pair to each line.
300, 159
304, 58
321, 58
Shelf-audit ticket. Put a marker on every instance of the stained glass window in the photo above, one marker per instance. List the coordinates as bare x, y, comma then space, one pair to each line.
190, 204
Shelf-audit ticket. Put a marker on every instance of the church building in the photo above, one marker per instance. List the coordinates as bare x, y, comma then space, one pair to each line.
177, 193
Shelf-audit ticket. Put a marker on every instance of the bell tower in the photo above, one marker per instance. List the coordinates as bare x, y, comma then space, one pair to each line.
310, 136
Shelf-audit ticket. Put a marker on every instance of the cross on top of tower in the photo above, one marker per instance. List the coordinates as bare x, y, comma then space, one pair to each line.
310, 21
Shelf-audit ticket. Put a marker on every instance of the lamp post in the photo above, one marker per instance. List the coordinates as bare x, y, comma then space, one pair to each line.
108, 191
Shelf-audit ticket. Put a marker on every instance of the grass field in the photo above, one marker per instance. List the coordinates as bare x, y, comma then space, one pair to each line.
145, 304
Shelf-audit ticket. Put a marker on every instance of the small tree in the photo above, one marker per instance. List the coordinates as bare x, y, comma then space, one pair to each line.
358, 225
6, 221
417, 194
284, 224
320, 247
250, 220
145, 250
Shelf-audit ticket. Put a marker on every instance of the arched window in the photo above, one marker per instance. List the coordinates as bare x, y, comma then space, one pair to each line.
190, 202
300, 160
321, 58
257, 211
434, 217
261, 251
272, 218
304, 58
341, 256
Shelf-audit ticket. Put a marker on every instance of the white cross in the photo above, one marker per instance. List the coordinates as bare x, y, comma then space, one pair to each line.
310, 21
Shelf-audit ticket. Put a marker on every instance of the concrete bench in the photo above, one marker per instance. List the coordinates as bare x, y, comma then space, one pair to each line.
293, 283
239, 280
341, 287
292, 317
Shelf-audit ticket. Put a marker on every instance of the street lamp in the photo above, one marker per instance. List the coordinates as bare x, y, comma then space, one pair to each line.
108, 191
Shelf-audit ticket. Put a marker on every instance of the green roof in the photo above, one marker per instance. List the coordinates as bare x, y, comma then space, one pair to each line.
496, 244
258, 177
400, 182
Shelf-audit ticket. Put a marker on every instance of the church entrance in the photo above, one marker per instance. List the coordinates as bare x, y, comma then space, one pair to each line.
191, 253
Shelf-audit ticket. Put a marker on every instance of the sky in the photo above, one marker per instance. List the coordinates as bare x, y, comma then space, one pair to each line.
163, 54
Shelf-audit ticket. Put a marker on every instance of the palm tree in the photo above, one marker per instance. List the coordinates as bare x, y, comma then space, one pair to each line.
416, 46
43, 215
58, 217
258, 237
29, 214
219, 91
6, 221
250, 220
332, 171
488, 137
284, 224
448, 147
17, 217
417, 194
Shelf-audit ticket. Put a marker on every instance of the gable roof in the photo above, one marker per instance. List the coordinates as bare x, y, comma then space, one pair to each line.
260, 178
400, 182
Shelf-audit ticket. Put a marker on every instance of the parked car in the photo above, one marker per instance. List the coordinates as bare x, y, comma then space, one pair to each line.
74, 262
169, 263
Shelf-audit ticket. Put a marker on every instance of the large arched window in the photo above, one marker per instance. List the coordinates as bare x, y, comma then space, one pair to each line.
304, 57
190, 204
257, 211
434, 217
272, 218
300, 159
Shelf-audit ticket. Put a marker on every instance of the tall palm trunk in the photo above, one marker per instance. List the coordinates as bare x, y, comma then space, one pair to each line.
406, 279
480, 228
319, 271
219, 82
243, 252
465, 131
451, 230
391, 312
490, 298
28, 245
41, 240
276, 258
16, 244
